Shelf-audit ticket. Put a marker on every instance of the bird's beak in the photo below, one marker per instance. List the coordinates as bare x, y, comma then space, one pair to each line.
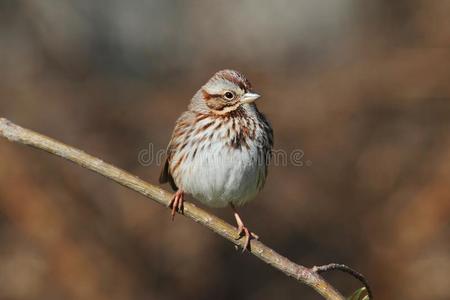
249, 97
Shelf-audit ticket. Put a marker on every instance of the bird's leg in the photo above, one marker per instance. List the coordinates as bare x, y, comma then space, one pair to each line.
177, 203
242, 229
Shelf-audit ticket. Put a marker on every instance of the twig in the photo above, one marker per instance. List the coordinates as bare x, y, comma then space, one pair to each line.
345, 269
303, 274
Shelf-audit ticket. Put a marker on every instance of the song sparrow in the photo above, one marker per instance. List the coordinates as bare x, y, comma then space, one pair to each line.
220, 147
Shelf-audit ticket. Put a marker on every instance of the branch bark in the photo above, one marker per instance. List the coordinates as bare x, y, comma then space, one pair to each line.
302, 274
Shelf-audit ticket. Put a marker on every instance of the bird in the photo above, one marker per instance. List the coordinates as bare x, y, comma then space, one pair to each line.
220, 148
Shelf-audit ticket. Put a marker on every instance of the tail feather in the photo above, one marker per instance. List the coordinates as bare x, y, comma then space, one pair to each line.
167, 177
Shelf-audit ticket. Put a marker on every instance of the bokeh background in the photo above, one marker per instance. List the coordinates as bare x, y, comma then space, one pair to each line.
361, 87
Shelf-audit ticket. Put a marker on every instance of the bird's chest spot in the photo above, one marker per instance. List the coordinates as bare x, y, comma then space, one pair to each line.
240, 134
224, 146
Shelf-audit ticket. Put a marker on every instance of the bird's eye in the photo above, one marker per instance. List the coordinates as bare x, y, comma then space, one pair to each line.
229, 95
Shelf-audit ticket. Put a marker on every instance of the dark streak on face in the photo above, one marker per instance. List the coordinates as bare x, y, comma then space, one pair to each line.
216, 101
207, 96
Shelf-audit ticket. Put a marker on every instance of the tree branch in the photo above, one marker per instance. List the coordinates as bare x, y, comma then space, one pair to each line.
303, 274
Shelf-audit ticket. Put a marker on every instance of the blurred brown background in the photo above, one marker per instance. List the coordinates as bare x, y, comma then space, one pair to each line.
361, 87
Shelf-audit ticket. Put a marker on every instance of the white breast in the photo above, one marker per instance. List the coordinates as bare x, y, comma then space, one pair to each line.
219, 174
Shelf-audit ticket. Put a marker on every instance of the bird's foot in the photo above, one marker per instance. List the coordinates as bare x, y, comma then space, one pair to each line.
243, 230
177, 203
247, 234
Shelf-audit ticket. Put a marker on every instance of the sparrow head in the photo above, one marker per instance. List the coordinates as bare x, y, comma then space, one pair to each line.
226, 91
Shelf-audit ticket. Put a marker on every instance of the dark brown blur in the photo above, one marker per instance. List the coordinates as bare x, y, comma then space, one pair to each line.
359, 91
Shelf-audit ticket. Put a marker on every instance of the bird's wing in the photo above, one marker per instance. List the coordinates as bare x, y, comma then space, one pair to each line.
180, 126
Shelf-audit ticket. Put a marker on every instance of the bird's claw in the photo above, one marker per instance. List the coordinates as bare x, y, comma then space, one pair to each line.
248, 235
177, 203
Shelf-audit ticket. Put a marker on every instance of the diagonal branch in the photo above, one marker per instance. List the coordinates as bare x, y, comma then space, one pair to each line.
303, 274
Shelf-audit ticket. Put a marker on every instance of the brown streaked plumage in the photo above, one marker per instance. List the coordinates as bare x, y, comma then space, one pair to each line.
220, 147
